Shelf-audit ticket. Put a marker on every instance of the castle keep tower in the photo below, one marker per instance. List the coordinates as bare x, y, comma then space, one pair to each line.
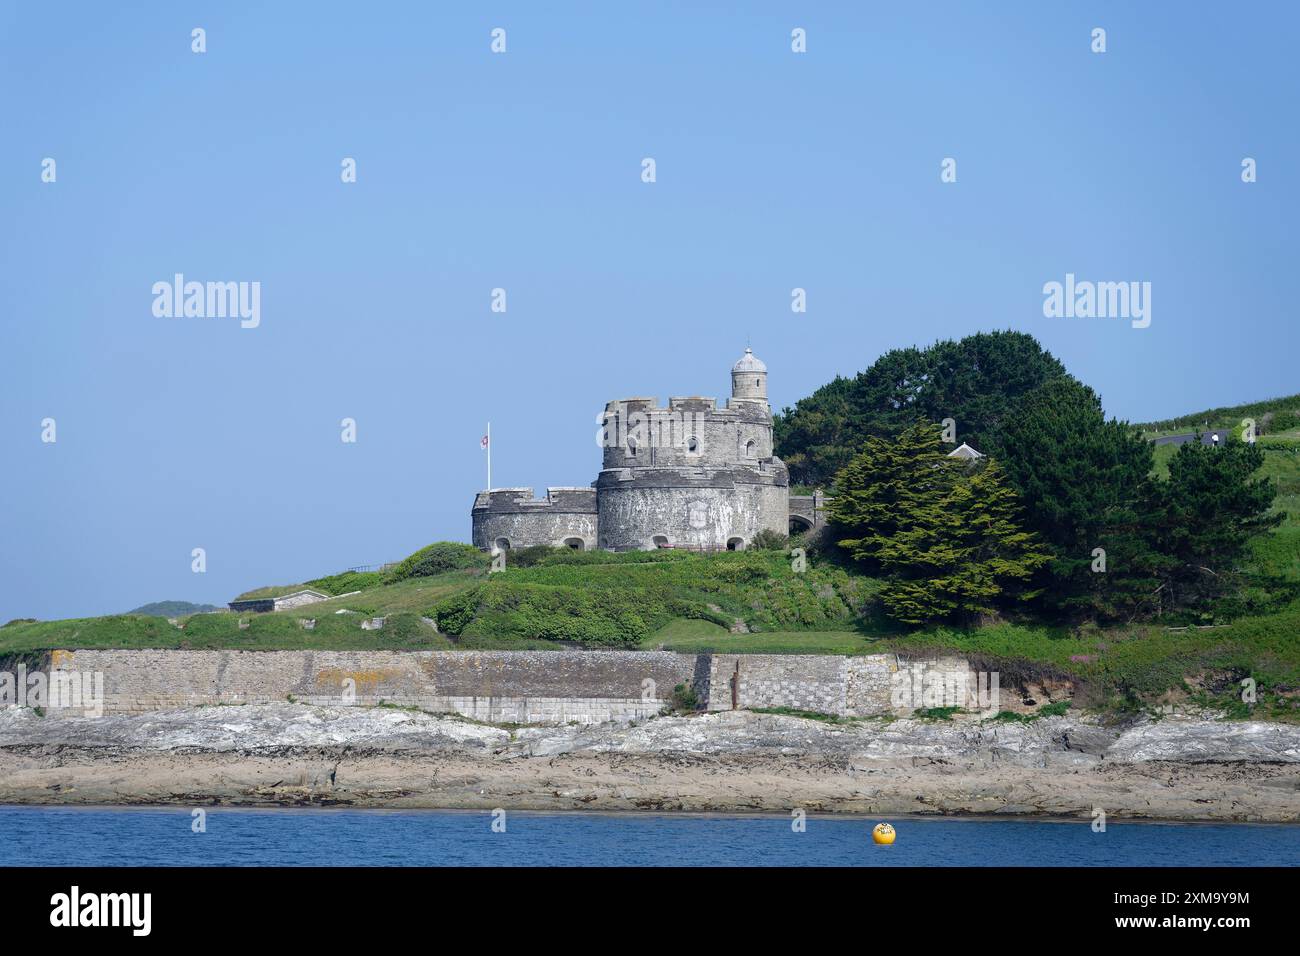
687, 475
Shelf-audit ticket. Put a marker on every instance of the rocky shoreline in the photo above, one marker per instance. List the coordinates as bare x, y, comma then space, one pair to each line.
271, 755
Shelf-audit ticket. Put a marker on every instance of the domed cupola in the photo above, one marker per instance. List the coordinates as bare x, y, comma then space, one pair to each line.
749, 378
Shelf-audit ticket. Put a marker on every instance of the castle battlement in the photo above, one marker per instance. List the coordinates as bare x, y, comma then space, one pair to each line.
519, 500
707, 404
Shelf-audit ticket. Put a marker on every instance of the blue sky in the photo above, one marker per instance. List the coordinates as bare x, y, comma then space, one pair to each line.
522, 171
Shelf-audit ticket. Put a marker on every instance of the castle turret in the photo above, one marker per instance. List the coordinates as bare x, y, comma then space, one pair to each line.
749, 379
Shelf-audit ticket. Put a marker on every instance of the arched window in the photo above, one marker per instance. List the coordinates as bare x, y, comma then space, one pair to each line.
693, 445
503, 544
575, 544
751, 448
659, 541
735, 544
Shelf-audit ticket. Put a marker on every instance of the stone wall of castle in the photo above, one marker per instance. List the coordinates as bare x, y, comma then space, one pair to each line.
688, 432
637, 510
513, 515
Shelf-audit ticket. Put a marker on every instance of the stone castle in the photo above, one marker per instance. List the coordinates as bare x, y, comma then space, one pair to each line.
691, 475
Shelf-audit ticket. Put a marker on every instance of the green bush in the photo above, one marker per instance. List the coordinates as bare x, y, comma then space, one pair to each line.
529, 557
453, 614
437, 558
1284, 421
605, 617
684, 700
346, 582
769, 540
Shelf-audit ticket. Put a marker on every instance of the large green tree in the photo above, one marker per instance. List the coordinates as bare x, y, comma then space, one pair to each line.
1088, 493
946, 533
1211, 507
974, 381
886, 488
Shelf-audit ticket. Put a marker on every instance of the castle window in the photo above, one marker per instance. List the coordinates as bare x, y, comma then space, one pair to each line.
575, 544
659, 541
751, 448
693, 445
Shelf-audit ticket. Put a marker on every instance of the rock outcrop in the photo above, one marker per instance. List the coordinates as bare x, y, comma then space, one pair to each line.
287, 754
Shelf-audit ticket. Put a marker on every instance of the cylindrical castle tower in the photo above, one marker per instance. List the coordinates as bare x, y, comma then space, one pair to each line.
692, 475
749, 379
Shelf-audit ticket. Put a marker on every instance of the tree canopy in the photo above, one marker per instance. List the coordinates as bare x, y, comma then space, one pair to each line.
1089, 494
974, 381
946, 533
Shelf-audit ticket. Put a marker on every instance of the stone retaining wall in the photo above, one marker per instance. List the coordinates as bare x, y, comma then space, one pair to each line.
504, 686
847, 686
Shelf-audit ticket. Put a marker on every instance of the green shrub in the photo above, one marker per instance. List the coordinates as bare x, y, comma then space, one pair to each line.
453, 614
684, 700
1284, 421
437, 558
346, 582
769, 540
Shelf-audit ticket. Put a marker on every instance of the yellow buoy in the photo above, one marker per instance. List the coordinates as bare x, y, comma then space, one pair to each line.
883, 834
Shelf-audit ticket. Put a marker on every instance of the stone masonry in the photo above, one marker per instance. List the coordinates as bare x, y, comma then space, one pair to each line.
526, 687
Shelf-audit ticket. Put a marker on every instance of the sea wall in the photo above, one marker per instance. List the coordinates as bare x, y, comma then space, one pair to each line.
864, 686
496, 686
526, 687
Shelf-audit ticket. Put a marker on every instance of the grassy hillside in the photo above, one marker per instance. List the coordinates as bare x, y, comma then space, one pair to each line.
1275, 416
619, 600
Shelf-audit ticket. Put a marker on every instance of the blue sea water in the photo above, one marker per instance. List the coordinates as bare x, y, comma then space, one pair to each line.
298, 837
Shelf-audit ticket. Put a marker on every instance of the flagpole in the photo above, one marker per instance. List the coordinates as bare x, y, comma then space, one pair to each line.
489, 451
